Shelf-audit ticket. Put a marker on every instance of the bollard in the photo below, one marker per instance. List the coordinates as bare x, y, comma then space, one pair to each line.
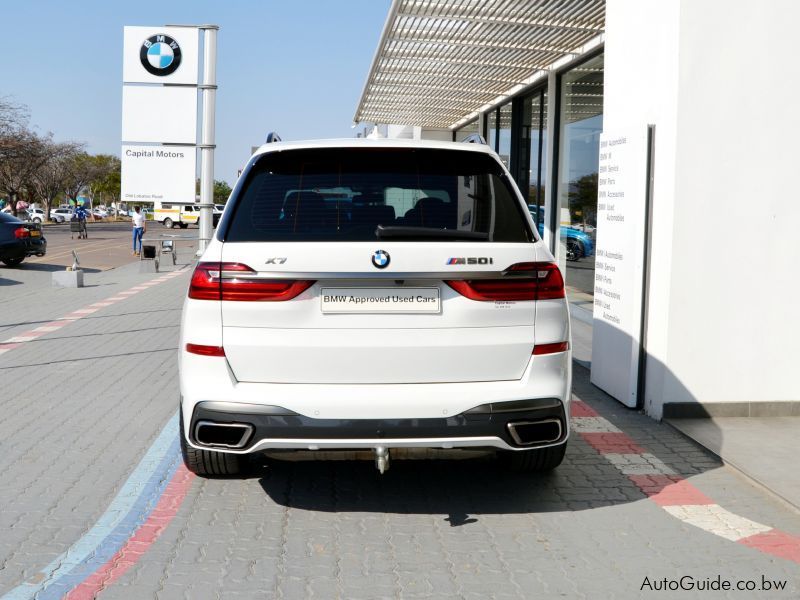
68, 279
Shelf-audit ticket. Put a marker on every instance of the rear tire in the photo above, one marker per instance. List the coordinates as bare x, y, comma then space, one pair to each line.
168, 223
12, 262
539, 460
208, 463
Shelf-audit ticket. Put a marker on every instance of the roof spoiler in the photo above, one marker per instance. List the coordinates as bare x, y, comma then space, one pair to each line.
273, 137
475, 138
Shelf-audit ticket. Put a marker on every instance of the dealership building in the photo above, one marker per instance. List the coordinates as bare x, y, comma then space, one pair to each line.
656, 142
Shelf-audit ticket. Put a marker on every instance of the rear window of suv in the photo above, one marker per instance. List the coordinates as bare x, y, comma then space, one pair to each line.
365, 194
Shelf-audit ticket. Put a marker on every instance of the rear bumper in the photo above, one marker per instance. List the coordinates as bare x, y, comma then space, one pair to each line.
240, 428
37, 247
317, 416
23, 248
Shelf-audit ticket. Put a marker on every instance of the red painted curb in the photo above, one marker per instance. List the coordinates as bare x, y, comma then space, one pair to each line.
612, 443
670, 490
138, 544
775, 542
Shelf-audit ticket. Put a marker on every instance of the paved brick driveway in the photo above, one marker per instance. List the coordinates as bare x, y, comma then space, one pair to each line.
81, 405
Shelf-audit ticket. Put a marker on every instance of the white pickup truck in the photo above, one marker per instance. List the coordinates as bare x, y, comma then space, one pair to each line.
181, 215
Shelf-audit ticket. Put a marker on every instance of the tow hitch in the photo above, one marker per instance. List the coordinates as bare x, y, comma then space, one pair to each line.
382, 459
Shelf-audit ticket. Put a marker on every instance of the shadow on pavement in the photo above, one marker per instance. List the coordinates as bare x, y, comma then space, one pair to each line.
84, 358
52, 337
460, 489
465, 489
46, 267
89, 317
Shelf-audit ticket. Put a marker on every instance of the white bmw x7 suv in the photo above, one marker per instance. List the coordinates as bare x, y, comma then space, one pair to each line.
375, 295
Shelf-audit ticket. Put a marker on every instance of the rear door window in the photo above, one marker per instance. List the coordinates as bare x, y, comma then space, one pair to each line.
348, 194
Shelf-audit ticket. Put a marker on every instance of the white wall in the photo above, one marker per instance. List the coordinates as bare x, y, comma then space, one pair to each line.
640, 88
733, 310
717, 78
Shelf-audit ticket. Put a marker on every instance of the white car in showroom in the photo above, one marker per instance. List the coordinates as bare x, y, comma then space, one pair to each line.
375, 295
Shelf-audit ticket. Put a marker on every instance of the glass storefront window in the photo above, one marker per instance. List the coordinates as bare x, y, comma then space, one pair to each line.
466, 130
491, 129
581, 122
504, 134
533, 151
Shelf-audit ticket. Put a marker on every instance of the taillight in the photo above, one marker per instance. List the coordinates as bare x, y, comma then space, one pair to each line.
536, 281
540, 349
21, 232
204, 350
205, 282
238, 282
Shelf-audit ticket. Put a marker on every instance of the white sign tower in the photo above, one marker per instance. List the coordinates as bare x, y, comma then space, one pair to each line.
160, 86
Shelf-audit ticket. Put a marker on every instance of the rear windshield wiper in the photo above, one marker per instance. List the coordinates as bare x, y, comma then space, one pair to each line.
427, 233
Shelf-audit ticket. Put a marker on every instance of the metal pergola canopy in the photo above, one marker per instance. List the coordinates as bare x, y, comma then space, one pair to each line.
440, 61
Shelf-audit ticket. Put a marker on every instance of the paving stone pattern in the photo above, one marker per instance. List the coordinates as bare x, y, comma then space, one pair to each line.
81, 405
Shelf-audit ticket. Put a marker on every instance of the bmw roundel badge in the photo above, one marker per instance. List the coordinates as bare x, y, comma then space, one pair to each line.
381, 259
160, 55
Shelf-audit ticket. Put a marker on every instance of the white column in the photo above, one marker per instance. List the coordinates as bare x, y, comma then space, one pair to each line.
552, 202
208, 89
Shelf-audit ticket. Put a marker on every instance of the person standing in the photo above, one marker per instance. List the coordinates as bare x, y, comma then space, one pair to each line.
80, 214
139, 228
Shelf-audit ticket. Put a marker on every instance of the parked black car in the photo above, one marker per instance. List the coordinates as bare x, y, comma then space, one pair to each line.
19, 239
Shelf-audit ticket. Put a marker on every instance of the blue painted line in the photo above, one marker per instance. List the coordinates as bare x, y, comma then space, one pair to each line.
138, 514
130, 507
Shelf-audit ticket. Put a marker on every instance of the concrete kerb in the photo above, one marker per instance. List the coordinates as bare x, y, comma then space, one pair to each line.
751, 478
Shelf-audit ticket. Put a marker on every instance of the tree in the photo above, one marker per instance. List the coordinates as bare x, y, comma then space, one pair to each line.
82, 169
108, 179
583, 200
221, 192
25, 152
15, 138
51, 178
13, 125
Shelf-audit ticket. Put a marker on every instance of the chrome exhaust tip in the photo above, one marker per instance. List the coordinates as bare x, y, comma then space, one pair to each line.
223, 435
529, 433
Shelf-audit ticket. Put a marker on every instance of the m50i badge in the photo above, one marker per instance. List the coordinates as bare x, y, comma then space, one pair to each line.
470, 260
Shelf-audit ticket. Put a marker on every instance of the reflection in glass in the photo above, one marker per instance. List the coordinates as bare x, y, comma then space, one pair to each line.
532, 151
466, 130
491, 129
581, 124
504, 137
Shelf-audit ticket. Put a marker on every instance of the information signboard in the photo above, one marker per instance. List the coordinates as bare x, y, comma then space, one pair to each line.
619, 263
165, 115
158, 173
159, 122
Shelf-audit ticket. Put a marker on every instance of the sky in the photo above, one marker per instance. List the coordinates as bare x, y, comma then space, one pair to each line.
296, 67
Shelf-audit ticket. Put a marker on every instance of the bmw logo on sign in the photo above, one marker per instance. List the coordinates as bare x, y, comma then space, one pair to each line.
381, 259
160, 55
